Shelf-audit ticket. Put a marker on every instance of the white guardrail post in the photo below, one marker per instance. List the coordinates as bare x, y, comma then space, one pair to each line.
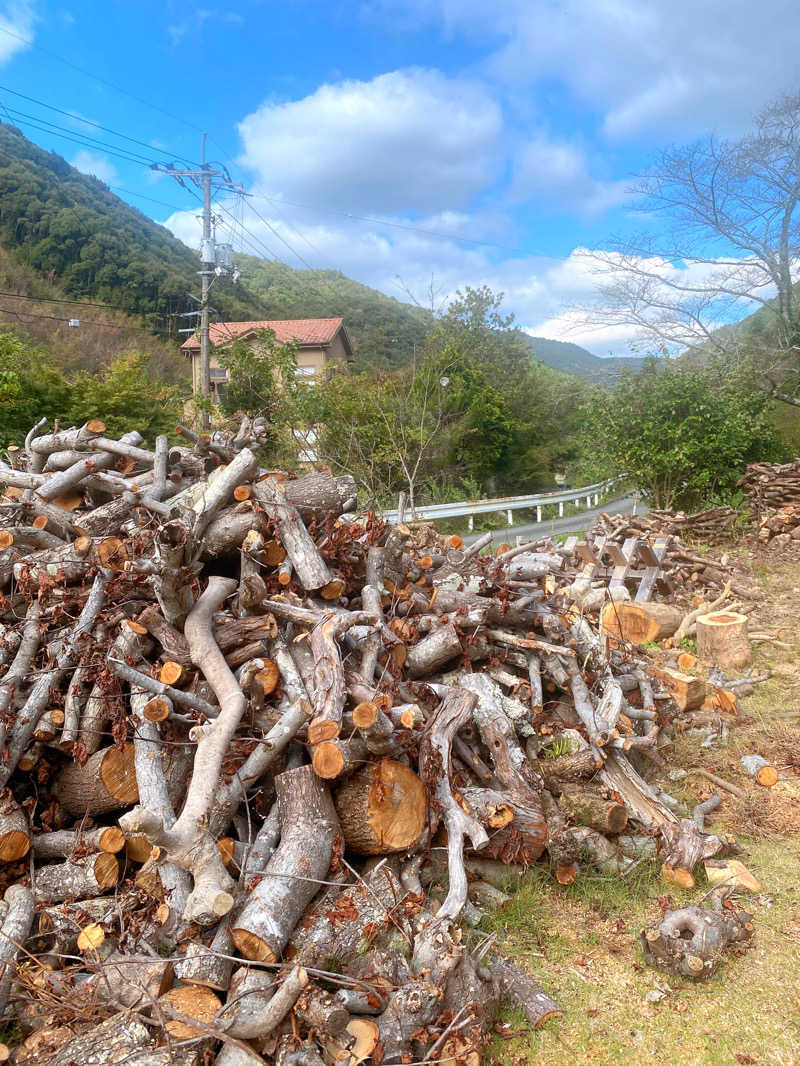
509, 504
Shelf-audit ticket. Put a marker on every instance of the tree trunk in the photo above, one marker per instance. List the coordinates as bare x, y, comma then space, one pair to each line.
722, 640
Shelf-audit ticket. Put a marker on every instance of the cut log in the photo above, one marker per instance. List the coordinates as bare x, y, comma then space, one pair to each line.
15, 834
19, 903
590, 808
722, 640
105, 782
687, 691
189, 1001
640, 623
762, 770
382, 809
439, 647
89, 876
308, 829
62, 843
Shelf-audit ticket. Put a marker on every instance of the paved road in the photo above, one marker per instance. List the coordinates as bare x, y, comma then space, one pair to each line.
576, 523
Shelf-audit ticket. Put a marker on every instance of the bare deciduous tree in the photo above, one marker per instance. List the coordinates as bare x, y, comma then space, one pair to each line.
727, 243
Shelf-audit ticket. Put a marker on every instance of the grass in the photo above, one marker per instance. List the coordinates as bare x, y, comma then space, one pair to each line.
581, 942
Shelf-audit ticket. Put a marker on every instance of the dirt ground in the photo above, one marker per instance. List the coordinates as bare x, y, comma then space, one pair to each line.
581, 942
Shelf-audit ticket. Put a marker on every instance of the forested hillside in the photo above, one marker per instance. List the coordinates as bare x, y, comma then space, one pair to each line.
71, 228
71, 231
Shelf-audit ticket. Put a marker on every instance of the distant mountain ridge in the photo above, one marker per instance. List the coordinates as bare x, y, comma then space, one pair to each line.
573, 359
69, 230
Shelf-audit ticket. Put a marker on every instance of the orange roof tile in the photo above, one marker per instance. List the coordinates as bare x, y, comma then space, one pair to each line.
305, 331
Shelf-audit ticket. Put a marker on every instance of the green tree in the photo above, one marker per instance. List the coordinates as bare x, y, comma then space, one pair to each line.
684, 433
126, 396
263, 382
30, 388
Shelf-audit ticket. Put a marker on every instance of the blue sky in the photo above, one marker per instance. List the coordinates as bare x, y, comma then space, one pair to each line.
519, 124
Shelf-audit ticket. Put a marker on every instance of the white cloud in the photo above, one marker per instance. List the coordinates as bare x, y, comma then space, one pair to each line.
410, 140
658, 67
17, 21
558, 172
97, 165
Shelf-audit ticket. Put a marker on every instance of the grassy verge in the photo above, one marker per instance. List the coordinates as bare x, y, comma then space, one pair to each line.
581, 942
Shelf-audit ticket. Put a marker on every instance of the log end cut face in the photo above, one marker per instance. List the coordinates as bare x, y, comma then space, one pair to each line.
382, 809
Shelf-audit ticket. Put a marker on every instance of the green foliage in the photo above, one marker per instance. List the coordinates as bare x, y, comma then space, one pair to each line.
683, 432
125, 397
262, 382
30, 388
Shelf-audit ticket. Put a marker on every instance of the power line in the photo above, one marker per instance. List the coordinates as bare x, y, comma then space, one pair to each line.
82, 303
102, 81
83, 321
84, 141
87, 122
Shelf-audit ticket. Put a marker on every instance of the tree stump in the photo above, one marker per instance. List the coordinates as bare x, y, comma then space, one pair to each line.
382, 808
722, 640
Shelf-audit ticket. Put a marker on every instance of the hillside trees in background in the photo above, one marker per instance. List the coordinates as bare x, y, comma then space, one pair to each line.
124, 395
683, 433
73, 228
727, 243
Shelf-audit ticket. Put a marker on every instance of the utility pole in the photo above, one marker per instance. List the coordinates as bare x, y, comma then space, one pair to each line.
215, 259
208, 259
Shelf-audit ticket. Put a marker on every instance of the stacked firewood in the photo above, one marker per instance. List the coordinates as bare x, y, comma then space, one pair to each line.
781, 527
772, 485
774, 491
263, 765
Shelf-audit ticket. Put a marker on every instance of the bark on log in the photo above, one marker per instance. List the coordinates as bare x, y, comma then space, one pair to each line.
722, 640
308, 829
62, 843
89, 876
439, 647
382, 809
521, 990
13, 934
15, 833
113, 1041
691, 941
105, 782
640, 623
188, 843
434, 766
311, 569
591, 809
39, 696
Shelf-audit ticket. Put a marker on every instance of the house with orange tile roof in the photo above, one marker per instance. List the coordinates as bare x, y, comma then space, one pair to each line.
322, 343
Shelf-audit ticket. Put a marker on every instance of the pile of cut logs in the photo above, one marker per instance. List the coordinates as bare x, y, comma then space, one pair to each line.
716, 523
687, 571
772, 485
774, 491
262, 766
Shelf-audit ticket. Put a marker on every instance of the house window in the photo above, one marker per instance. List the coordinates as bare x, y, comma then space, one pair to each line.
306, 372
218, 373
